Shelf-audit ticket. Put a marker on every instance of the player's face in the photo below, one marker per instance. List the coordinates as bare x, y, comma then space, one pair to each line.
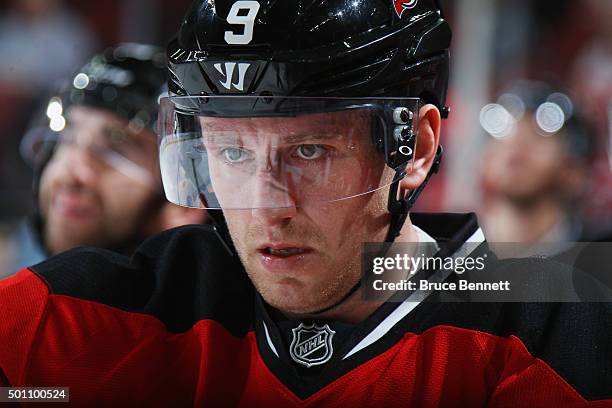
301, 258
98, 188
527, 164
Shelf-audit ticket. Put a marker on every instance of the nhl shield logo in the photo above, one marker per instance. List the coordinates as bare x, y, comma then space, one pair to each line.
401, 5
311, 345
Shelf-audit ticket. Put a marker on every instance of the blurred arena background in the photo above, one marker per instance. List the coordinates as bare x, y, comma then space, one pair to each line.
495, 41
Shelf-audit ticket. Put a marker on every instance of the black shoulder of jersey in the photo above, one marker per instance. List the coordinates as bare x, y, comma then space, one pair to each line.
180, 276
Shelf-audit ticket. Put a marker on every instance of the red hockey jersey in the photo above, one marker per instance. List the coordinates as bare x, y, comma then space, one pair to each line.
180, 324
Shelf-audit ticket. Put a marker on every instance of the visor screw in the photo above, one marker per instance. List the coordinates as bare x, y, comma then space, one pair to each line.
402, 133
445, 112
402, 116
266, 97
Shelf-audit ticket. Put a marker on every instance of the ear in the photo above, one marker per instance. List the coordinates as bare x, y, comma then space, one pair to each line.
428, 138
172, 216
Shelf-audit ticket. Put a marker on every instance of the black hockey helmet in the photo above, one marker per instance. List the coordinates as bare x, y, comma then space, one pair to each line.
126, 80
317, 48
247, 58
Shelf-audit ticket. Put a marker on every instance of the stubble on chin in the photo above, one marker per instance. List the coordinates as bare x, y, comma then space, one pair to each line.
304, 294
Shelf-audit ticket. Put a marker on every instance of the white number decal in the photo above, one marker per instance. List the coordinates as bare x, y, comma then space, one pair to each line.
248, 21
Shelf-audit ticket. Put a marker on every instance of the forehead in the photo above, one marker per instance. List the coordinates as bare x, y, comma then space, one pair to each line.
88, 119
337, 122
83, 116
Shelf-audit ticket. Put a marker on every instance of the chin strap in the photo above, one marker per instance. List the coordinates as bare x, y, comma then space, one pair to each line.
220, 228
399, 209
342, 300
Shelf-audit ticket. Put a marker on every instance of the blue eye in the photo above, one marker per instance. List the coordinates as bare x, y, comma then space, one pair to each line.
235, 155
310, 151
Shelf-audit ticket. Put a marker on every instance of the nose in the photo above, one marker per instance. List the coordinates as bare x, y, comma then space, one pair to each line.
273, 202
80, 164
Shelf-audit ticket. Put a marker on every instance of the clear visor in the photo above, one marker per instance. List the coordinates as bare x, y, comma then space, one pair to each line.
272, 152
126, 153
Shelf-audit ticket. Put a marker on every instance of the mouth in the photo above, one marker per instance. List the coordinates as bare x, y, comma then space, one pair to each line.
282, 251
73, 206
286, 258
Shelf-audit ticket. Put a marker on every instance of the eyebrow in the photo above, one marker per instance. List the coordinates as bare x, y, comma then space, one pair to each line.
294, 139
129, 136
289, 139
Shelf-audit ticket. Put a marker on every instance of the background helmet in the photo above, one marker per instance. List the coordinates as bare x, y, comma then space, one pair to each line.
125, 80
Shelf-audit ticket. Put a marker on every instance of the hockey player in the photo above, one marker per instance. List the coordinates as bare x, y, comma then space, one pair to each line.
95, 159
296, 123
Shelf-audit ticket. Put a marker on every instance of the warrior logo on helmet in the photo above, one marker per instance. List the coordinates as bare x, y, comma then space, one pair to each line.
401, 5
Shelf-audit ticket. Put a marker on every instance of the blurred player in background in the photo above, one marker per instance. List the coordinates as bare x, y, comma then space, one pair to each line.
537, 166
95, 157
